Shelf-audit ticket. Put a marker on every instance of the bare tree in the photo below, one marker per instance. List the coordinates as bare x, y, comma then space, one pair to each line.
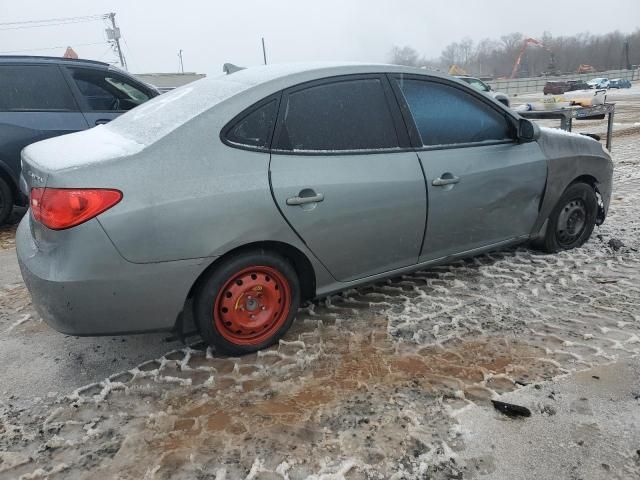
404, 56
495, 57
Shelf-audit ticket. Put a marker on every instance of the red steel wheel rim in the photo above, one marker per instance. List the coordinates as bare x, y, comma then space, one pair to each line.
252, 305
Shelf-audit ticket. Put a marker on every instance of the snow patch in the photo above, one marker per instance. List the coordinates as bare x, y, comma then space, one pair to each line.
79, 149
557, 131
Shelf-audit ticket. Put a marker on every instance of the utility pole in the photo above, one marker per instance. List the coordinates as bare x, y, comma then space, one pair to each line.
625, 53
181, 64
264, 52
113, 35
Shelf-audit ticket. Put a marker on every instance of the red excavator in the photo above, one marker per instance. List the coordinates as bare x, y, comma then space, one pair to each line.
525, 44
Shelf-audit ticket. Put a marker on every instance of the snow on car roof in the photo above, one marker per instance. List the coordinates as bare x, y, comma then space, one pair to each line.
161, 115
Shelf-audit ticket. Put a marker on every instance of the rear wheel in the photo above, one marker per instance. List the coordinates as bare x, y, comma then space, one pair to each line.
247, 303
572, 220
6, 201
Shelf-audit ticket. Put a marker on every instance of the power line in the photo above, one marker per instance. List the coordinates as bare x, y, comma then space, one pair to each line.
53, 48
49, 20
24, 27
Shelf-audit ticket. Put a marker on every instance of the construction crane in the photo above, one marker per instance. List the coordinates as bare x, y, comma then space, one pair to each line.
525, 44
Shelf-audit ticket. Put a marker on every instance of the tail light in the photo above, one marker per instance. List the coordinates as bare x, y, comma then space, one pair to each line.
61, 208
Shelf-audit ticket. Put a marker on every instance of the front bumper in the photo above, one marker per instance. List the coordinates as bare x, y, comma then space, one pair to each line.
81, 285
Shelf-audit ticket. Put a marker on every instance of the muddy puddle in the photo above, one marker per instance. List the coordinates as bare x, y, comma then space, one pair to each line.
333, 396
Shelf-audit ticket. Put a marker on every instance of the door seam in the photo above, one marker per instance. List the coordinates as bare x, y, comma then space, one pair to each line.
275, 202
426, 216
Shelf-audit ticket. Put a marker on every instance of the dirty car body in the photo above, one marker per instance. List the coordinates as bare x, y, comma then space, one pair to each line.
353, 173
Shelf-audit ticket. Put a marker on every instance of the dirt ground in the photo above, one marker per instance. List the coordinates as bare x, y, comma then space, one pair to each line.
390, 381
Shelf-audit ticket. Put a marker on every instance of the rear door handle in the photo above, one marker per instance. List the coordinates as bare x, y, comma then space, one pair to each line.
440, 182
319, 197
102, 121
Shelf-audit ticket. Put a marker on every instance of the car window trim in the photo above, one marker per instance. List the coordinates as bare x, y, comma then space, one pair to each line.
414, 133
396, 119
224, 131
40, 110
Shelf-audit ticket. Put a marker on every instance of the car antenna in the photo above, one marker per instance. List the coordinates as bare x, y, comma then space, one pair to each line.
230, 68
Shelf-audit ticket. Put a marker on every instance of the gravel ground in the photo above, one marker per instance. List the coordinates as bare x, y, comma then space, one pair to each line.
388, 381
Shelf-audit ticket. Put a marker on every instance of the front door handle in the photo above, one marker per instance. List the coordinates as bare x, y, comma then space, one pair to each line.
315, 198
446, 179
102, 121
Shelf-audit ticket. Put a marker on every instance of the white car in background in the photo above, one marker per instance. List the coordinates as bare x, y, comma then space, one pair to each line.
598, 83
484, 88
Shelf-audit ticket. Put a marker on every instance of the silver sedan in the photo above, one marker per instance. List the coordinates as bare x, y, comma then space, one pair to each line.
234, 199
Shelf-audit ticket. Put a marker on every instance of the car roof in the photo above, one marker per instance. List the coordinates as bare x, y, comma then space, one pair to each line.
267, 73
51, 60
238, 90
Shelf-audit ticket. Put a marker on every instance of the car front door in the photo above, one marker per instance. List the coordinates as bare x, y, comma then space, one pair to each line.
341, 179
104, 94
484, 187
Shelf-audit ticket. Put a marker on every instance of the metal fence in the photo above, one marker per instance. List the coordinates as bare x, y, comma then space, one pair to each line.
535, 85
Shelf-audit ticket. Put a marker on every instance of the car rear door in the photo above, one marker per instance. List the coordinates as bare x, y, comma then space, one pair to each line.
484, 187
104, 94
35, 104
342, 179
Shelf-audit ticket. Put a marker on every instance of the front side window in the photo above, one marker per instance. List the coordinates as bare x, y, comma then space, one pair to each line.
103, 91
37, 88
254, 130
342, 115
447, 115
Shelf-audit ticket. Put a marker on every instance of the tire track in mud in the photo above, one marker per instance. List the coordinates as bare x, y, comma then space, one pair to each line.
368, 383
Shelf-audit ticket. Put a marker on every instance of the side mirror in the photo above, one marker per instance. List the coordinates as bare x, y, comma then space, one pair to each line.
528, 131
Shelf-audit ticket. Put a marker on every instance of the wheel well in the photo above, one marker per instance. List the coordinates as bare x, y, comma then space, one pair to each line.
299, 260
593, 182
12, 185
588, 179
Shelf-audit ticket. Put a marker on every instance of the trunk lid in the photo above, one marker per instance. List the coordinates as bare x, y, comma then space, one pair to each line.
67, 162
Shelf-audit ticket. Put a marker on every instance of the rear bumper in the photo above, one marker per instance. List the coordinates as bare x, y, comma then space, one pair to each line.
81, 285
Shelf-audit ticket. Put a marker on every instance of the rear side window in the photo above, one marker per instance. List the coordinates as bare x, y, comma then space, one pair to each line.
447, 115
254, 129
343, 115
37, 88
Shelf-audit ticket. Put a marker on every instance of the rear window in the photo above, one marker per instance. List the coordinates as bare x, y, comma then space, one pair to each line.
34, 88
162, 114
344, 115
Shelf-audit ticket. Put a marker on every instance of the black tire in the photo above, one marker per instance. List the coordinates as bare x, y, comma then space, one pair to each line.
572, 219
6, 201
271, 270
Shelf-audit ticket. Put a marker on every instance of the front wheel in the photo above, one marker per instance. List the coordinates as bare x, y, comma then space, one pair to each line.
247, 303
572, 220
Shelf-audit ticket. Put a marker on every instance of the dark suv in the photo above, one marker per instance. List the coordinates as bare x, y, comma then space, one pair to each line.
42, 97
559, 87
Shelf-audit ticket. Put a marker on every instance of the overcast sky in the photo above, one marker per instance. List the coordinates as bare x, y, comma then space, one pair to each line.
213, 32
